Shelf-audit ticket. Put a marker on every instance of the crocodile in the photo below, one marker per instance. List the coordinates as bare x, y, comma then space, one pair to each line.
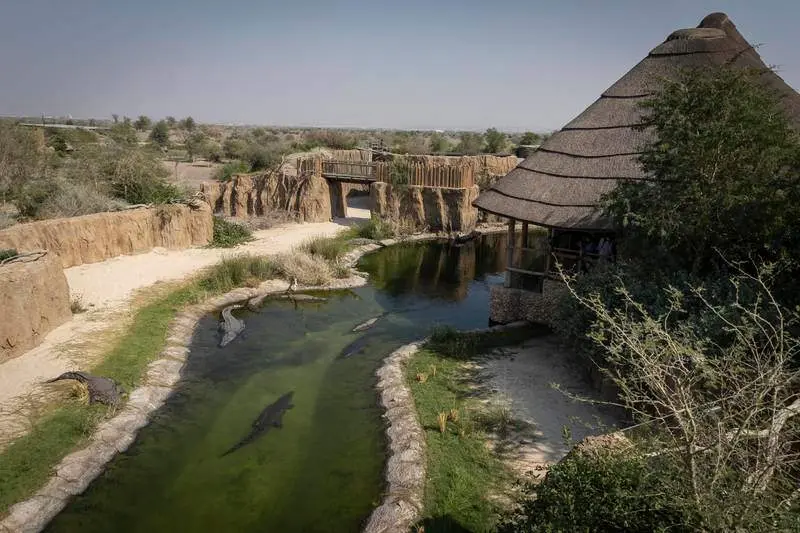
101, 389
271, 416
230, 326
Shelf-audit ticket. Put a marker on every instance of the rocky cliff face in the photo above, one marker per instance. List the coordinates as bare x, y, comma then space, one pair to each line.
34, 297
92, 238
252, 195
419, 208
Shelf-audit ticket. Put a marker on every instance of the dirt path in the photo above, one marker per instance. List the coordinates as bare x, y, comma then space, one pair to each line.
112, 282
107, 289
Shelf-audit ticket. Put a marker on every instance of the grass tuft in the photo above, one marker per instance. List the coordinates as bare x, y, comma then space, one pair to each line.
375, 228
238, 271
328, 248
76, 305
229, 234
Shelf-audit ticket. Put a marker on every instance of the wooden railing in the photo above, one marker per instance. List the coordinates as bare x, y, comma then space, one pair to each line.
414, 175
365, 170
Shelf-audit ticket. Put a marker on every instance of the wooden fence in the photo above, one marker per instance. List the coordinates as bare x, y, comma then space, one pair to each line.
443, 177
413, 174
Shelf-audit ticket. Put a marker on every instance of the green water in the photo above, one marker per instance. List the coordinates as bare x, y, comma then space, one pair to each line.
321, 471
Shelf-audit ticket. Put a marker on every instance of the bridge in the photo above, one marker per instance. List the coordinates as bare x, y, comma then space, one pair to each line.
411, 174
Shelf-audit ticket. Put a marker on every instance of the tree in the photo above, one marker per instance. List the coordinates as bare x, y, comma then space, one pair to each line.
725, 424
123, 133
438, 143
188, 124
726, 158
529, 139
115, 118
195, 144
469, 143
171, 121
142, 123
495, 141
160, 134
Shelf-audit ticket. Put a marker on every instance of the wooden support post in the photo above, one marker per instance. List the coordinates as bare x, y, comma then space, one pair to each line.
510, 250
524, 234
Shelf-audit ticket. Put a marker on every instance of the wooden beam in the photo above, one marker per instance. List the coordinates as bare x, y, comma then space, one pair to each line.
524, 235
510, 250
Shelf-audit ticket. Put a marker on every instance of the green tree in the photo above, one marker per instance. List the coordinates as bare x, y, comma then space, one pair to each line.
159, 135
123, 133
724, 157
142, 123
495, 141
115, 118
195, 144
171, 121
469, 143
529, 138
188, 124
438, 143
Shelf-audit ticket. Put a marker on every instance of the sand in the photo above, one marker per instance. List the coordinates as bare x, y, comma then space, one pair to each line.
523, 376
106, 289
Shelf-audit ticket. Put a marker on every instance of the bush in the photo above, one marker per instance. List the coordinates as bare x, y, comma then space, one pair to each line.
228, 170
307, 268
7, 253
376, 229
238, 271
76, 199
229, 234
607, 492
330, 249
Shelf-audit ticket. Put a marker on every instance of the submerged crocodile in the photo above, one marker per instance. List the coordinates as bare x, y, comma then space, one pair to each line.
230, 326
101, 389
270, 417
369, 323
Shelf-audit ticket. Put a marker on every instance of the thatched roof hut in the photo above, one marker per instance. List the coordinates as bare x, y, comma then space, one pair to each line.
561, 184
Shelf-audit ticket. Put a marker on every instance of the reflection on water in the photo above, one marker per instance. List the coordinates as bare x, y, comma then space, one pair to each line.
320, 471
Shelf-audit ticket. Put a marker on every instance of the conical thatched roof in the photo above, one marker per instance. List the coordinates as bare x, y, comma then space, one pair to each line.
561, 184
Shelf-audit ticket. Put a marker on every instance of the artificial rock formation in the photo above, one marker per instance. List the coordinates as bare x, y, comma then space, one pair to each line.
34, 297
93, 238
418, 208
249, 195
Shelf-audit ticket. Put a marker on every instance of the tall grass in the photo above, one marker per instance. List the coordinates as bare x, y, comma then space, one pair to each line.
328, 248
375, 228
238, 271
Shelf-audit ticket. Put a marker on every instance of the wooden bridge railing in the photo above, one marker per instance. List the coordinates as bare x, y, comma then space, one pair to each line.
413, 174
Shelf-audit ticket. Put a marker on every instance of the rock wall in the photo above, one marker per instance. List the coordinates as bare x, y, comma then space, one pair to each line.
418, 208
93, 238
248, 195
34, 297
508, 305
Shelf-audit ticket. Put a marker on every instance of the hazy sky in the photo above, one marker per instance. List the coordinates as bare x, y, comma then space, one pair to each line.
516, 65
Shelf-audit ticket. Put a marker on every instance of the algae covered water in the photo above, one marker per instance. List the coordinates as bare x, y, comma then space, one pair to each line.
321, 470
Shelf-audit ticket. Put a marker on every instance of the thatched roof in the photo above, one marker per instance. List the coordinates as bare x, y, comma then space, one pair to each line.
561, 184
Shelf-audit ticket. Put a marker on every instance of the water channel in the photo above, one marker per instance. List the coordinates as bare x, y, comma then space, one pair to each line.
320, 471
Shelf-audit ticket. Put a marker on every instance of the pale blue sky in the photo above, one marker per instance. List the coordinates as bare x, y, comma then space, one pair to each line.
513, 64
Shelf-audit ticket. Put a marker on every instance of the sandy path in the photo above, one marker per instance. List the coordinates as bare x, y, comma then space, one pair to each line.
112, 282
524, 376
107, 289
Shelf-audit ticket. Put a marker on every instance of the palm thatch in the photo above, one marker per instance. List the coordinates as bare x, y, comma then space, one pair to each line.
560, 185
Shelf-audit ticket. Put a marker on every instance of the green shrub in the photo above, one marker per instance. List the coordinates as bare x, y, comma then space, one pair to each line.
7, 253
608, 492
228, 170
376, 228
238, 271
329, 248
229, 234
